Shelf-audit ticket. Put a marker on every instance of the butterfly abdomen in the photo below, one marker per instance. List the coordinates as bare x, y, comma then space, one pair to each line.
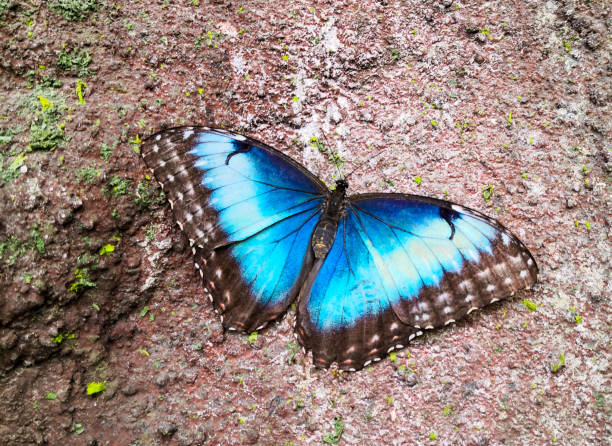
323, 237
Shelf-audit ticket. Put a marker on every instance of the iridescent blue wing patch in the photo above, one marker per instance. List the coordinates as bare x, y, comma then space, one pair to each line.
248, 211
401, 264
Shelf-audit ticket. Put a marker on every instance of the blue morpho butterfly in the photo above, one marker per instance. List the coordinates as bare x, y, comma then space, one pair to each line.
369, 271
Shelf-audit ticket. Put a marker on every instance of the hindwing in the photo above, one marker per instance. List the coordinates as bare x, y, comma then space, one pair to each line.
401, 264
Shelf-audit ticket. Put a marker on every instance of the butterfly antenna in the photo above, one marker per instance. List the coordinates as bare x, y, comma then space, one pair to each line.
361, 164
335, 158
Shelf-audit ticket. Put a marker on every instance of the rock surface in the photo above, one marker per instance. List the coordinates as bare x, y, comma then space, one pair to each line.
97, 284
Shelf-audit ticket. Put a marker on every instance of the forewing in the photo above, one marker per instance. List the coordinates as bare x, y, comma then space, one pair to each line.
248, 211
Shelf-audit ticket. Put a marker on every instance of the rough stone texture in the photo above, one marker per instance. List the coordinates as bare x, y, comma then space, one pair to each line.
515, 95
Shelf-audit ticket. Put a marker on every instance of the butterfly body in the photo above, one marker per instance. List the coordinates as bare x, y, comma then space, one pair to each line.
325, 231
369, 271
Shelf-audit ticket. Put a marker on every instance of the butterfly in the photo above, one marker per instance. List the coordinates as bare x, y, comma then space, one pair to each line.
368, 272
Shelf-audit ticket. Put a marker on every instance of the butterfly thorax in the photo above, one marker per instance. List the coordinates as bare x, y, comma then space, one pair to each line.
325, 232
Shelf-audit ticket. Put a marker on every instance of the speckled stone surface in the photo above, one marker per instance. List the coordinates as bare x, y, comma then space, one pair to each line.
441, 99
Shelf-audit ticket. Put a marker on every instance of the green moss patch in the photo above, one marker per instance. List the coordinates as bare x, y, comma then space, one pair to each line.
10, 167
334, 437
46, 128
74, 61
81, 282
147, 195
74, 10
5, 5
6, 135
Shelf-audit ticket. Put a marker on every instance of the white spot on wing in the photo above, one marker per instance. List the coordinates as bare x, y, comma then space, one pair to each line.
465, 285
442, 297
484, 273
490, 287
500, 267
423, 306
523, 273
505, 239
187, 133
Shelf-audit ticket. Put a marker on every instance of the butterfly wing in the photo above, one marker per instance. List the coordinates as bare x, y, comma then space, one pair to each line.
400, 264
248, 211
